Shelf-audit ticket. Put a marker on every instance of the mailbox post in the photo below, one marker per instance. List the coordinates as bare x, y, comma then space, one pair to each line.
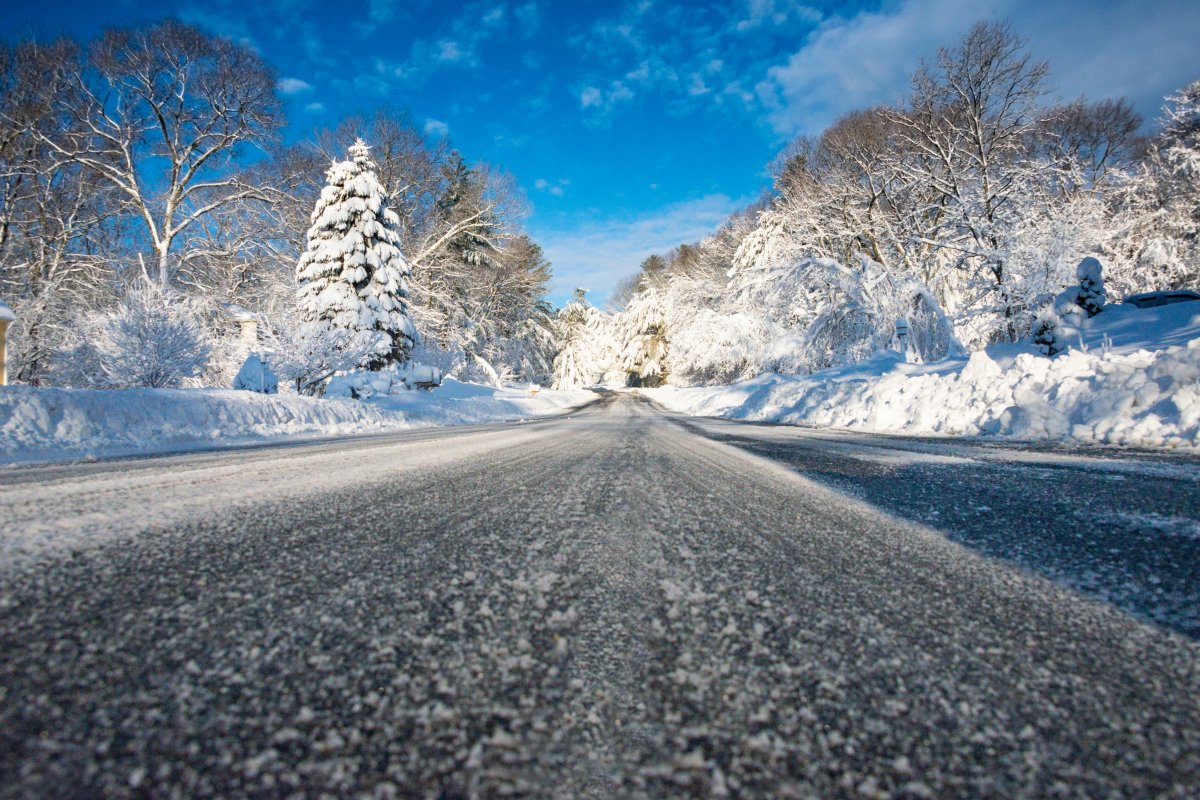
902, 336
6, 318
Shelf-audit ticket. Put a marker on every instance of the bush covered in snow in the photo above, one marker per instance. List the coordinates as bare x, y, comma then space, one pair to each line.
1048, 332
309, 354
1088, 296
154, 339
255, 375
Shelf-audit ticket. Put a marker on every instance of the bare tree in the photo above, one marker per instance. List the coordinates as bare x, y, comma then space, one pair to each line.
966, 134
162, 114
55, 218
1087, 141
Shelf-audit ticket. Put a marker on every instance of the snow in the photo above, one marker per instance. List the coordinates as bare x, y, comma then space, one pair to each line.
39, 424
1132, 378
256, 376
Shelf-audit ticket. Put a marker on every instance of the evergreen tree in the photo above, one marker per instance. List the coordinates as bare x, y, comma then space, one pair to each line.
588, 354
643, 328
353, 276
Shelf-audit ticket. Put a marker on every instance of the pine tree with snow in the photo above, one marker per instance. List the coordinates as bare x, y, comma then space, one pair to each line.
1087, 298
588, 353
1092, 295
573, 366
353, 276
1048, 332
643, 331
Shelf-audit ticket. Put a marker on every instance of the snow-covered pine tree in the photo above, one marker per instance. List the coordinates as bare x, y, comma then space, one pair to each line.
586, 336
1087, 298
353, 276
1048, 332
573, 366
643, 332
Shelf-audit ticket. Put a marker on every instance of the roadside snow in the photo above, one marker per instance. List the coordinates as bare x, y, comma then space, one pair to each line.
52, 424
1134, 381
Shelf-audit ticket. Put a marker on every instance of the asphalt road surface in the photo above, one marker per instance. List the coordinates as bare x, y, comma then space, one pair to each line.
610, 604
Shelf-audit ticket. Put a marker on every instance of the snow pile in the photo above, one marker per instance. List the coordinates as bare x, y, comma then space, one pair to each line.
46, 424
1134, 379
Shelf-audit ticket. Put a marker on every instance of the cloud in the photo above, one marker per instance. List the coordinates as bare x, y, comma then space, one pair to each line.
861, 61
596, 255
379, 12
774, 13
315, 108
1110, 48
290, 86
436, 128
555, 188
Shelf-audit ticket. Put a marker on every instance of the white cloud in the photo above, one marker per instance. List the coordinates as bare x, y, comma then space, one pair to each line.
861, 61
291, 86
379, 12
773, 13
596, 255
315, 108
436, 128
1108, 48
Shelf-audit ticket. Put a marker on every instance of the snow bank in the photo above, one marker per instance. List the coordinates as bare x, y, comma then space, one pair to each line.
49, 424
1116, 391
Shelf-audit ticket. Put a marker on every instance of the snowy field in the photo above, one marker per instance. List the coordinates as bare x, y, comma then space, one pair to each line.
1132, 378
51, 424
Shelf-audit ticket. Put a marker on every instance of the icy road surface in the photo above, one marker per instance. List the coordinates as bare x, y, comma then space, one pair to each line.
606, 605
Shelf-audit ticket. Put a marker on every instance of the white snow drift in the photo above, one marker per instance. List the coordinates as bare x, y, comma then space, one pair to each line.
1133, 378
47, 424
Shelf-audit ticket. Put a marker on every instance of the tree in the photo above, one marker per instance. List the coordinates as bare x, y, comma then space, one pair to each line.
586, 340
967, 132
153, 339
55, 217
352, 275
1171, 193
643, 337
162, 114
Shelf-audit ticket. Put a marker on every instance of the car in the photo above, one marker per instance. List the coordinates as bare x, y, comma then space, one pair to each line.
1156, 299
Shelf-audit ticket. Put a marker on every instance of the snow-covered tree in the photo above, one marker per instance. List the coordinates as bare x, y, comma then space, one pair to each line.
588, 352
352, 276
643, 336
1048, 332
152, 339
310, 353
1170, 195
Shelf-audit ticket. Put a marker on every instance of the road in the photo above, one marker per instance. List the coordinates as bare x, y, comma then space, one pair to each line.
611, 604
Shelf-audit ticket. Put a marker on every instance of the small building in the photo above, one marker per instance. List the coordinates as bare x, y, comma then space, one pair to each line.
248, 324
7, 317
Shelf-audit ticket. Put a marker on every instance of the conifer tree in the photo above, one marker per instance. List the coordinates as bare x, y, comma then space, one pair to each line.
644, 337
353, 276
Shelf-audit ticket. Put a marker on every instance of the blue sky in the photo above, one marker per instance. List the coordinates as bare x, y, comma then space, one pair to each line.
635, 126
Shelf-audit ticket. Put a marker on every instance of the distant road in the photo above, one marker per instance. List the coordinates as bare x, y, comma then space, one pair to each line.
614, 603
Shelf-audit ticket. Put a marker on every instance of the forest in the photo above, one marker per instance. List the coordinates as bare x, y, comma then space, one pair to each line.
150, 202
964, 211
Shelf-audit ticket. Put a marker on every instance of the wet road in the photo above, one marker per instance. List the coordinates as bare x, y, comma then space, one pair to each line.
610, 604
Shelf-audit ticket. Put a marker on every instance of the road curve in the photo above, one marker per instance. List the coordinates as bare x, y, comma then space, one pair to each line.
601, 605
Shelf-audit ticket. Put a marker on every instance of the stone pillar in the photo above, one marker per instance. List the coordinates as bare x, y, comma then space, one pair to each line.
6, 318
